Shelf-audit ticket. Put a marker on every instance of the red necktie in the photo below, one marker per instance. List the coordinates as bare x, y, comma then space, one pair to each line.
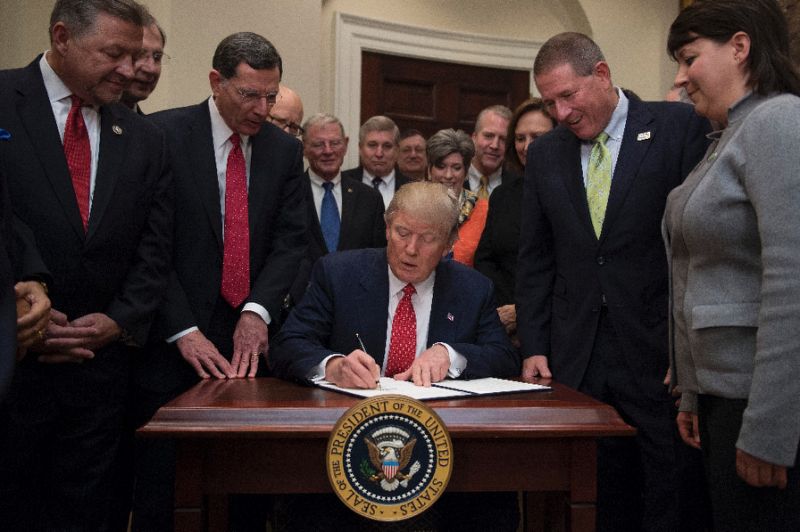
79, 157
403, 346
236, 259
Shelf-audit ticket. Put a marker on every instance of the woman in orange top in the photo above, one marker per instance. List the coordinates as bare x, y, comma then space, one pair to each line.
449, 154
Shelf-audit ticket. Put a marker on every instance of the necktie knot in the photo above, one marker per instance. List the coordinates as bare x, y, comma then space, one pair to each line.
409, 290
483, 190
601, 138
235, 140
76, 101
328, 186
377, 182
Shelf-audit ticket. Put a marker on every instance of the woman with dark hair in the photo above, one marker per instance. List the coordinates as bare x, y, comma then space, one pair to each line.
732, 236
496, 256
449, 155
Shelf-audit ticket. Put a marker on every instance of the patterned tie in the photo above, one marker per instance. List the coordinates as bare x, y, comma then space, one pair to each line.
79, 157
329, 218
598, 181
403, 346
377, 182
236, 259
483, 189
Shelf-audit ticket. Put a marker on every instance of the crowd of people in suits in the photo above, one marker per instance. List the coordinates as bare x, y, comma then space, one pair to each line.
643, 253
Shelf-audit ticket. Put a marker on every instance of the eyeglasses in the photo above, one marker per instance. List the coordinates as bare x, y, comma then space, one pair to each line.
250, 96
158, 58
287, 125
321, 144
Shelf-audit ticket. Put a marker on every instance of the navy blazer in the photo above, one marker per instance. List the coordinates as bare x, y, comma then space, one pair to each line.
565, 275
340, 303
277, 217
119, 265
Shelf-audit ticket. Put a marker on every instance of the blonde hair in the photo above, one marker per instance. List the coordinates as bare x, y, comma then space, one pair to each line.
432, 202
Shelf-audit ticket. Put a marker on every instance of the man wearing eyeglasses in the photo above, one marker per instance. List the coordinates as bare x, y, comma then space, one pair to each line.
240, 231
287, 113
147, 67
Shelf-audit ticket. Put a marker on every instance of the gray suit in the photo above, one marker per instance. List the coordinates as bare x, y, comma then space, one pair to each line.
734, 245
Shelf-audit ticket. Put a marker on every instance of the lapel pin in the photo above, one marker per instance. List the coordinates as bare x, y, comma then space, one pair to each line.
116, 129
349, 190
643, 136
450, 317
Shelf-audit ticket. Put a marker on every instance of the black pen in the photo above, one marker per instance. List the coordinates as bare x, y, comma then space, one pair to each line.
358, 337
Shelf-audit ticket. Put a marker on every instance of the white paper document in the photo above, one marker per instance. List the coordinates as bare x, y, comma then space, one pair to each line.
446, 389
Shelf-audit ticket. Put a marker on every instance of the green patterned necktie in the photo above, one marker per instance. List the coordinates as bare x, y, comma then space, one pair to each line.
598, 181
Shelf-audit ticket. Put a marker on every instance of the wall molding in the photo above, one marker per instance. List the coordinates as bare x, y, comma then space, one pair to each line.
354, 34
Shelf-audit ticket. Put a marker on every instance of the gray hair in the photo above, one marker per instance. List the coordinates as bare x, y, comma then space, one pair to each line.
447, 141
245, 47
379, 123
575, 49
500, 110
434, 203
79, 16
321, 119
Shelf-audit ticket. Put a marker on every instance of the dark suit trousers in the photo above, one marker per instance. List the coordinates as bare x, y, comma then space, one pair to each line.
737, 505
636, 484
57, 447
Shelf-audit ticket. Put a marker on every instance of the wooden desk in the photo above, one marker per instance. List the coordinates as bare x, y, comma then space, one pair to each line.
536, 441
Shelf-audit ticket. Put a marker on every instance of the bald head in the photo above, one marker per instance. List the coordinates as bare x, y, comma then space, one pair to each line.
287, 113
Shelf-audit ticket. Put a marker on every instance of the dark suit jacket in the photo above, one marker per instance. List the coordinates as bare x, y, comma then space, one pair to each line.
496, 256
119, 266
357, 173
277, 213
8, 311
340, 303
362, 227
565, 275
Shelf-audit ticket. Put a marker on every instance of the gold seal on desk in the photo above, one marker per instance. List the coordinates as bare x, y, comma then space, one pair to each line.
389, 458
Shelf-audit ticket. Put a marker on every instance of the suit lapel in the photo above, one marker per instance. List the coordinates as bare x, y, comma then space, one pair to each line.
372, 300
631, 154
205, 168
37, 116
113, 142
350, 195
314, 227
444, 308
573, 178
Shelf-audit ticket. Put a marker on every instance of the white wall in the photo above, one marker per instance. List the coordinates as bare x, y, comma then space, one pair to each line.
631, 32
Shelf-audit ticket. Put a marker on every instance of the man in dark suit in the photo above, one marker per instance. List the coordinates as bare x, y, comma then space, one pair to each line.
455, 333
359, 292
378, 141
350, 216
486, 171
592, 276
240, 232
91, 183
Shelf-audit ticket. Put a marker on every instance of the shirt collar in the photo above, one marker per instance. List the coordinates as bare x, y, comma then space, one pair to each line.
56, 90
474, 172
616, 126
317, 180
387, 179
220, 132
396, 285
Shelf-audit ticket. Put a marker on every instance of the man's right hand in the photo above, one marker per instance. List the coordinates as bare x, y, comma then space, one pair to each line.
356, 370
535, 367
203, 356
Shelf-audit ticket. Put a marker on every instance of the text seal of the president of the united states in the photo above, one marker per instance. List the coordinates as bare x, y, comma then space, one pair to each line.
389, 458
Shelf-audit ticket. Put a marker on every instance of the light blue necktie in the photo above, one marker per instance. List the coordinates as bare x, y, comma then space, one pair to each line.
329, 218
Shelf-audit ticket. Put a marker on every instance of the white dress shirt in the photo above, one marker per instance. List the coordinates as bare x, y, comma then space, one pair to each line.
386, 188
61, 103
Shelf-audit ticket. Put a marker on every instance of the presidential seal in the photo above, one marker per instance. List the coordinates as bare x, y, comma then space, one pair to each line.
389, 458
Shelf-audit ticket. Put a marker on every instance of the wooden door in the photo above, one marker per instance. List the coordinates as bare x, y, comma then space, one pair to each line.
433, 95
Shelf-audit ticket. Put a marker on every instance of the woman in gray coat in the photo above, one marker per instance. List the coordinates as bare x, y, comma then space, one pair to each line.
733, 236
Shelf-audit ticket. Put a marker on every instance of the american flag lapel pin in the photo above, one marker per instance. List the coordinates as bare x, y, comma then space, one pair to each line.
643, 136
450, 317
